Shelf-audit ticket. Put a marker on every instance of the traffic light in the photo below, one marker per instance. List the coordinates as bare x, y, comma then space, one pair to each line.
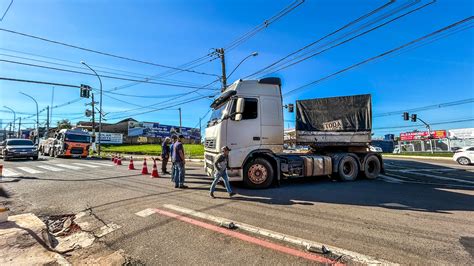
406, 116
291, 107
413, 117
85, 91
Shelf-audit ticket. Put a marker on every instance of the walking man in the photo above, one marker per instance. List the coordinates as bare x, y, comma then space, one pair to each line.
165, 155
220, 171
180, 162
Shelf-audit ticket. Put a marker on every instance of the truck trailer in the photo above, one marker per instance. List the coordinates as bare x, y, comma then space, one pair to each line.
248, 118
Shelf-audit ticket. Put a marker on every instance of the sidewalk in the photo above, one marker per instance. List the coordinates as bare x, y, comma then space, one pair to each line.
24, 240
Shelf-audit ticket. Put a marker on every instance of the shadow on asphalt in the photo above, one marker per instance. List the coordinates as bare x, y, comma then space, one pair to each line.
433, 197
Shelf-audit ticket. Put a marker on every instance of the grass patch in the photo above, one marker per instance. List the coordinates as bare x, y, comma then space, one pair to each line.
193, 151
436, 154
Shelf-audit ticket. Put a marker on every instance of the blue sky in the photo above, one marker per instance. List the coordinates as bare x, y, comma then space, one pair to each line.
175, 32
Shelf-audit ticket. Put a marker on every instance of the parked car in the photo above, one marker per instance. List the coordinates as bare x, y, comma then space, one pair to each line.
375, 149
464, 156
18, 148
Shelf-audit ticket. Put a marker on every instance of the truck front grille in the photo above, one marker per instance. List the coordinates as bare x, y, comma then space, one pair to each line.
210, 143
76, 150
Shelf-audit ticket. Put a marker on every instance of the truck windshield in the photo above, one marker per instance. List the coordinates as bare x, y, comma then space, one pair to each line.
216, 115
77, 138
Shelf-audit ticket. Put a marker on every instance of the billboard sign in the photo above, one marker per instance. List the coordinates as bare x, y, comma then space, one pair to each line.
157, 130
110, 138
462, 133
421, 135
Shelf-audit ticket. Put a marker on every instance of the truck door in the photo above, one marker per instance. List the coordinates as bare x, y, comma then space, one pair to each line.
245, 135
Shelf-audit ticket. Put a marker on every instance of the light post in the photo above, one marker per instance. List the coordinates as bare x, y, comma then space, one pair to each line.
247, 57
37, 116
14, 118
100, 104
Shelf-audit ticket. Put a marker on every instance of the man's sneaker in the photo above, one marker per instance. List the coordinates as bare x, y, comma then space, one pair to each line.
231, 194
183, 186
176, 186
212, 195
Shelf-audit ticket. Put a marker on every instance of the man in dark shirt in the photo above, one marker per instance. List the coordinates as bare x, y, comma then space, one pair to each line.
220, 171
165, 155
179, 161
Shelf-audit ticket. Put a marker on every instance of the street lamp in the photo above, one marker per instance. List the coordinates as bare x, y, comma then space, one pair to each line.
247, 57
100, 104
37, 116
14, 117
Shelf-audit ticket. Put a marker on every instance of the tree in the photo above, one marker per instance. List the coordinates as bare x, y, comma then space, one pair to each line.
65, 123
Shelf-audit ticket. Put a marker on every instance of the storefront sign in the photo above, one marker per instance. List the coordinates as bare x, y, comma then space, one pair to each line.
110, 138
422, 135
462, 133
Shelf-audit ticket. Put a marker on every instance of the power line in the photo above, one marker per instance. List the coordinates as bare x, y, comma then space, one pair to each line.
383, 54
6, 11
103, 76
428, 107
130, 74
431, 124
101, 53
292, 62
40, 82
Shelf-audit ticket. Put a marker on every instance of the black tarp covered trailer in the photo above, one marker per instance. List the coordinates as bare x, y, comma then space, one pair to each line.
334, 121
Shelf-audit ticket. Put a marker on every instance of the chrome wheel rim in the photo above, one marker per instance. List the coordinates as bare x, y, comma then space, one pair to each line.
257, 173
462, 161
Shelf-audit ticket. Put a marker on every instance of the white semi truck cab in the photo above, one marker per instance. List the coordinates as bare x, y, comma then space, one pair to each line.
248, 118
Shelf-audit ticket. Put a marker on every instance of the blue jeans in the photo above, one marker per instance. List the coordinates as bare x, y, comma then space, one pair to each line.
178, 173
224, 177
172, 171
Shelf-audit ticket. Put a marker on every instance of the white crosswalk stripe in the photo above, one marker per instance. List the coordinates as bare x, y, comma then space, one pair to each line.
8, 173
72, 167
86, 165
50, 168
29, 170
101, 164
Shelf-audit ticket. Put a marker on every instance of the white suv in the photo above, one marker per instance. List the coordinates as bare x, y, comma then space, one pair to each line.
464, 156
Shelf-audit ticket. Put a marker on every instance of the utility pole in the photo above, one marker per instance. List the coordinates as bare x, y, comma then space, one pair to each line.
10, 130
47, 122
19, 128
93, 117
180, 124
220, 52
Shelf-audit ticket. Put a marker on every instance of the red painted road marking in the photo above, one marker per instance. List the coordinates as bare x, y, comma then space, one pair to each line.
250, 239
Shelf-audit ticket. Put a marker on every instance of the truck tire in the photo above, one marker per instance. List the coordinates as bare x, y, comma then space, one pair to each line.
258, 173
348, 168
372, 167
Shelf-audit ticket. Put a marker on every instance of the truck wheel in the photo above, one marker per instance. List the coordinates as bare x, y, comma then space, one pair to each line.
372, 167
55, 153
348, 168
258, 173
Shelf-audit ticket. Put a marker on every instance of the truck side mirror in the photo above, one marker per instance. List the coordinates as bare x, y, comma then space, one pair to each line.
239, 109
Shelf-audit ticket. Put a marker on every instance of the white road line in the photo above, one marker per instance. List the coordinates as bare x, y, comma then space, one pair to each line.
9, 173
145, 212
354, 256
72, 167
391, 179
86, 165
447, 178
50, 168
424, 169
29, 170
101, 164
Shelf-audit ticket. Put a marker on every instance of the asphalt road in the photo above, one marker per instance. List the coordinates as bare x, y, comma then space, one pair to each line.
419, 212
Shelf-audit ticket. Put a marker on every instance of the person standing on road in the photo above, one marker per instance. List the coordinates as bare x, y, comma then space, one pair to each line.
165, 155
174, 138
220, 171
180, 162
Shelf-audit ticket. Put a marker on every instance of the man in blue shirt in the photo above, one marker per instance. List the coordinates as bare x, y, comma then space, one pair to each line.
165, 155
179, 161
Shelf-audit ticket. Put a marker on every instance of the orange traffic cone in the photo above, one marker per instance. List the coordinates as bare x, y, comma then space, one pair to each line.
145, 168
154, 173
119, 161
131, 166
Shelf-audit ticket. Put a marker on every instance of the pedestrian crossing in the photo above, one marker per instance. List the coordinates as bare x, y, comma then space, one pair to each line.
51, 166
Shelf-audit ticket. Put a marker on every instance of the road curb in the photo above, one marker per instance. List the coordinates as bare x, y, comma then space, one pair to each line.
417, 157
